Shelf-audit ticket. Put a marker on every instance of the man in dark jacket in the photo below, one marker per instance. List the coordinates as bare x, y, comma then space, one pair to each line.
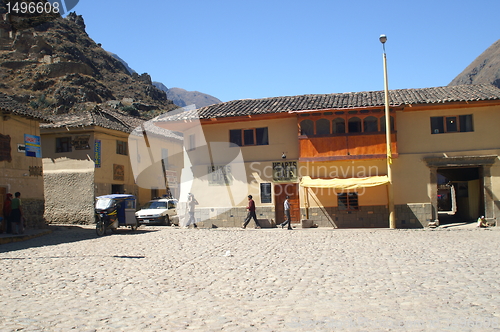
16, 214
7, 208
251, 213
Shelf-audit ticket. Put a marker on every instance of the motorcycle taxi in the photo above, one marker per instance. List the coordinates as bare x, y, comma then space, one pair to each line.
113, 211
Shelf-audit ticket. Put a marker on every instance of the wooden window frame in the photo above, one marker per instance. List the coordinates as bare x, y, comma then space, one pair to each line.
334, 125
444, 122
242, 135
329, 127
377, 119
359, 121
5, 149
122, 148
59, 147
313, 127
346, 116
351, 202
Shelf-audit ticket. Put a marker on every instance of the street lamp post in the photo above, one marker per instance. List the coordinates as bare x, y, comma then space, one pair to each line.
390, 190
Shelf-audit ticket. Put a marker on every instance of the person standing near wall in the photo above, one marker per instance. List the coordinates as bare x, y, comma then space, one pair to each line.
251, 213
16, 214
7, 209
192, 202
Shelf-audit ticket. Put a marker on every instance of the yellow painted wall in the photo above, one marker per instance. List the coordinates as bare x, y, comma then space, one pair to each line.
495, 179
251, 165
103, 176
343, 169
414, 131
261, 172
415, 142
15, 175
411, 175
282, 138
108, 138
49, 144
247, 178
411, 178
495, 194
109, 157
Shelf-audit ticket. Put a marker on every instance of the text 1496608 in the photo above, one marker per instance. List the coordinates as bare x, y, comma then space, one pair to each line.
33, 7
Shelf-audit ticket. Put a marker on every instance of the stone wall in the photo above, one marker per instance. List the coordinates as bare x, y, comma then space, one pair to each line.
33, 213
416, 215
233, 217
407, 216
69, 191
496, 214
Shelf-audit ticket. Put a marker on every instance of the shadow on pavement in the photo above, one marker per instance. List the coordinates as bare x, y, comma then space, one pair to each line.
58, 234
460, 225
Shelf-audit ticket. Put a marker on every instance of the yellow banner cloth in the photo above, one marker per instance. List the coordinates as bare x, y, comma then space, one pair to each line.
350, 183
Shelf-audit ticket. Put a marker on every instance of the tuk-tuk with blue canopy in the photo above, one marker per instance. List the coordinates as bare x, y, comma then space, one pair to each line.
113, 211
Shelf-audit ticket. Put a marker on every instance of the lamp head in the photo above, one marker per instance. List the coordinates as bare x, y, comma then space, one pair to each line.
383, 39
283, 156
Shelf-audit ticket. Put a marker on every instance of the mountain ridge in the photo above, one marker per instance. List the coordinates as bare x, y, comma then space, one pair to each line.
179, 96
182, 97
484, 69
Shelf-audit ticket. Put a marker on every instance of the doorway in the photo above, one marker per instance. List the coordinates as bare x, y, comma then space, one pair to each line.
280, 193
117, 189
460, 194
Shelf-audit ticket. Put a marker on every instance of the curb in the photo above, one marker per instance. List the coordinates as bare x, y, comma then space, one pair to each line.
19, 238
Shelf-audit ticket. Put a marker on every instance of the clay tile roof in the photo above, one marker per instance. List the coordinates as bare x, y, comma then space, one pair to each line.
10, 106
108, 119
287, 104
96, 117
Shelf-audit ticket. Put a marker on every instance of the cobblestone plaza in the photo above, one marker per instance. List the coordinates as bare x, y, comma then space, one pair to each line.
171, 279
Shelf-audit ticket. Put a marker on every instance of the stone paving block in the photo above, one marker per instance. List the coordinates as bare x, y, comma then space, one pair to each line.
314, 279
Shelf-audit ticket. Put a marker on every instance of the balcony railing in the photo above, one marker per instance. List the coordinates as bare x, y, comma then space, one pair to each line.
345, 147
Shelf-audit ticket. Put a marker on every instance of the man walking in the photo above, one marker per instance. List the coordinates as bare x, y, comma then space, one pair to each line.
192, 202
288, 220
251, 213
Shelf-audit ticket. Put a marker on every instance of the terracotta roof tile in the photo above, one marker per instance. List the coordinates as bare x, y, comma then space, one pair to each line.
96, 117
110, 120
9, 105
436, 95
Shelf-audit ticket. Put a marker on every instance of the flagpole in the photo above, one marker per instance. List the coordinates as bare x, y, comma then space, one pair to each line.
390, 190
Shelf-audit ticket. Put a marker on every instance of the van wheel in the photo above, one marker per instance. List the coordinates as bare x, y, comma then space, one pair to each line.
100, 228
166, 220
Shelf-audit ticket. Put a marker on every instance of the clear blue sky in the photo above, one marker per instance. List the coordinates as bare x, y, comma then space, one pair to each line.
265, 48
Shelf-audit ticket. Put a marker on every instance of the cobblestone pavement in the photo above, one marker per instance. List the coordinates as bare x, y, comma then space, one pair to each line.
171, 279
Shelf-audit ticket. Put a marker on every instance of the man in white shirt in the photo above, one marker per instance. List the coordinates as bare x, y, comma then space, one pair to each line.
192, 202
288, 220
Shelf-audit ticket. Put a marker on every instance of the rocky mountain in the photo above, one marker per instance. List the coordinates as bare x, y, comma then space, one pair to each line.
182, 97
130, 70
484, 69
52, 65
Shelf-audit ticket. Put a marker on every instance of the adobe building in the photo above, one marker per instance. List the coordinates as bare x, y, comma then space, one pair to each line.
20, 158
328, 153
88, 155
